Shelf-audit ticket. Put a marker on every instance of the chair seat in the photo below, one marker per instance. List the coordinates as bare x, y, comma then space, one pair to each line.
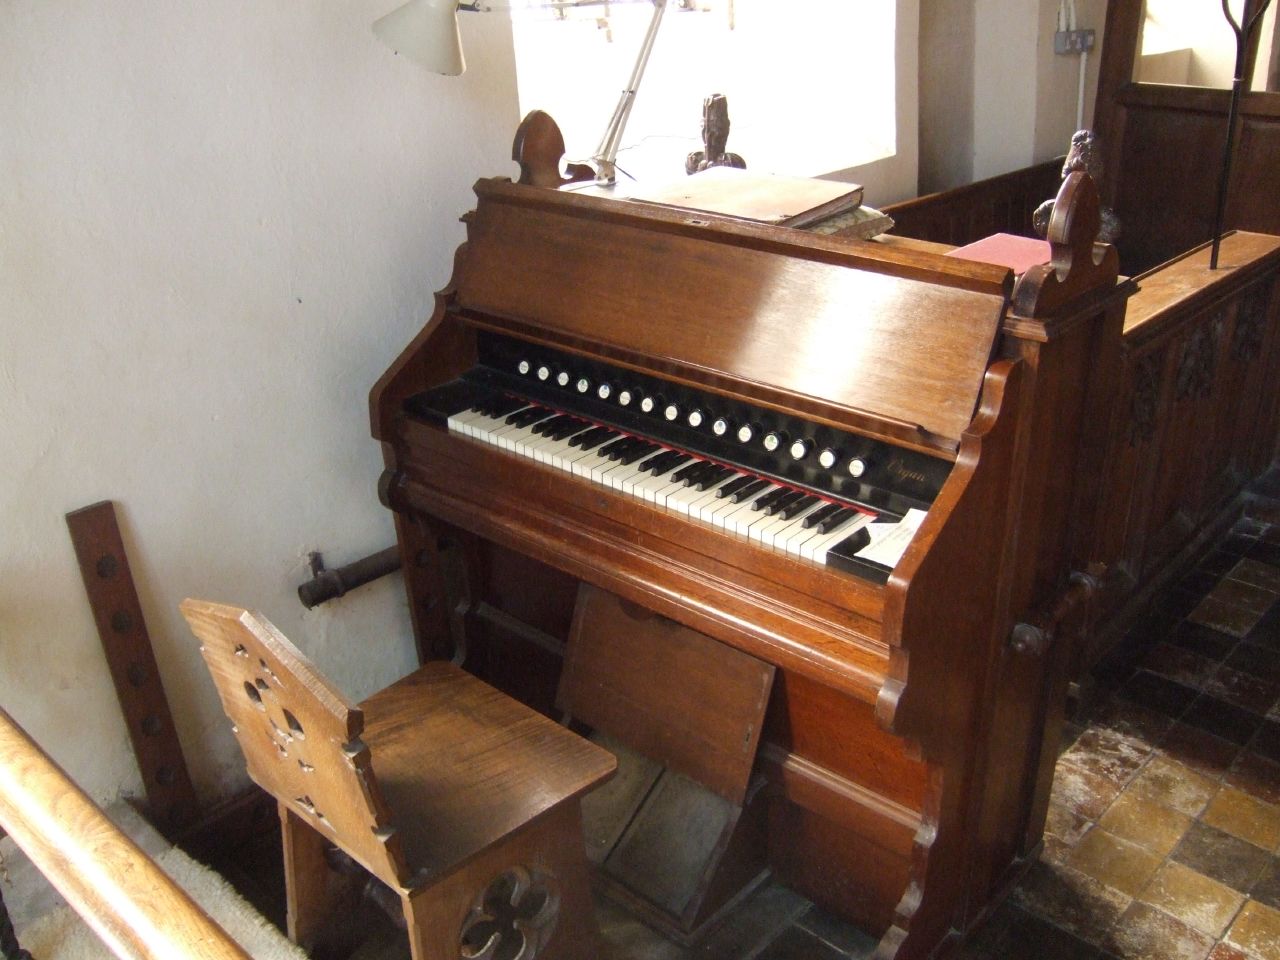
497, 764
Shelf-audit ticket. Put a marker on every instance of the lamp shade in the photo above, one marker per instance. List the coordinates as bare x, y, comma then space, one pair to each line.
425, 31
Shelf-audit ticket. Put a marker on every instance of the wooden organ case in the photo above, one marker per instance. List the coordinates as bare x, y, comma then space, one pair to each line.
896, 769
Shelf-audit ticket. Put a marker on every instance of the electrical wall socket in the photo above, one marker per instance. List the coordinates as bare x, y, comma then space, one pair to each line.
1073, 41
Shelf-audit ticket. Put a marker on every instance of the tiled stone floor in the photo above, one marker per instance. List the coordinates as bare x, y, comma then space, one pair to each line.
1164, 827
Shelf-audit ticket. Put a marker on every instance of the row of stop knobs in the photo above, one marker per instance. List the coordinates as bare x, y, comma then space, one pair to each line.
746, 433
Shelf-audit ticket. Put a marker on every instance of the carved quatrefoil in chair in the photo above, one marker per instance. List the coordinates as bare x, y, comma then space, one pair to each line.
473, 817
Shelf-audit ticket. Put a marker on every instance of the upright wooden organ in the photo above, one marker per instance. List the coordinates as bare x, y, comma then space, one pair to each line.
649, 467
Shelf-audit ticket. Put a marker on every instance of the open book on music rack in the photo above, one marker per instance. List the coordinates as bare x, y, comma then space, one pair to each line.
764, 197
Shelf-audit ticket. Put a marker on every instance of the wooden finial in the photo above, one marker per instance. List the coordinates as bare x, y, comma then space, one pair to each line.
1078, 263
538, 148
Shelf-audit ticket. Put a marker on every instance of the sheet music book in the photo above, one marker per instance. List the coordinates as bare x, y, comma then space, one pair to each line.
764, 197
1006, 250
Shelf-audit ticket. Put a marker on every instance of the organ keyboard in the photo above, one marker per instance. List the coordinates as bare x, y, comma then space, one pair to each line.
716, 422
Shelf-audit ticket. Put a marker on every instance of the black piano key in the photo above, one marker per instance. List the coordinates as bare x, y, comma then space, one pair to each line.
842, 556
712, 478
574, 426
624, 449
608, 449
643, 449
501, 405
750, 490
529, 415
837, 520
784, 501
545, 427
604, 436
768, 498
512, 418
815, 518
588, 435
797, 507
656, 461
733, 486
687, 469
703, 470
679, 460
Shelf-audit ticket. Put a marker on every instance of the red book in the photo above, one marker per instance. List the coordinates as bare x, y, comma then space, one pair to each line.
1006, 250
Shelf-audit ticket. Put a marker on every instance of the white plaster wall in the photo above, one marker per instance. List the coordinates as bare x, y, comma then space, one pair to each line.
947, 73
1004, 85
219, 222
1058, 82
1024, 94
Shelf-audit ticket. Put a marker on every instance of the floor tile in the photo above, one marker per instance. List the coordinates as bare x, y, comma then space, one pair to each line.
1266, 742
1224, 951
1256, 661
1109, 755
1244, 690
1267, 889
1265, 552
1158, 693
1071, 900
1245, 817
1237, 542
1256, 931
1256, 775
1114, 862
1222, 719
1220, 615
1082, 791
1193, 898
1218, 562
1259, 574
1266, 633
1143, 822
1255, 599
1201, 582
1014, 934
1203, 640
1201, 751
1222, 857
1145, 727
1145, 933
1180, 665
1173, 785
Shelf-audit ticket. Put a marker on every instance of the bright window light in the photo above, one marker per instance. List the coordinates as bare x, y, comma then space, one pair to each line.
810, 82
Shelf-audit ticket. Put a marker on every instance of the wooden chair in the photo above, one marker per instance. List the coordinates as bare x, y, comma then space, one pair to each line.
473, 817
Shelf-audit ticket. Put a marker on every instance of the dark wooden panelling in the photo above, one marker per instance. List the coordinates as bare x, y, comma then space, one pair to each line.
1002, 204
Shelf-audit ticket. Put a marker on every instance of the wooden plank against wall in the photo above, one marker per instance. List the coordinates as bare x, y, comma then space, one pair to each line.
104, 567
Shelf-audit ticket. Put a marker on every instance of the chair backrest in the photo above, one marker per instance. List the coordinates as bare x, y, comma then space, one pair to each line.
300, 735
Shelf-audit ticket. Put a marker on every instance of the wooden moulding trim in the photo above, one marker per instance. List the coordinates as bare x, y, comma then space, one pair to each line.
1223, 284
933, 268
803, 782
122, 895
1180, 99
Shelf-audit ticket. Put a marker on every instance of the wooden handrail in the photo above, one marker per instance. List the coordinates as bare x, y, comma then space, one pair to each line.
128, 901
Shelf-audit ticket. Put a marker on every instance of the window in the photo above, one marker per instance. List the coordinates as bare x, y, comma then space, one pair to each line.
811, 83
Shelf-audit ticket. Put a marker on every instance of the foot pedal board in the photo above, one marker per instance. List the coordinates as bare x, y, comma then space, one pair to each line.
679, 834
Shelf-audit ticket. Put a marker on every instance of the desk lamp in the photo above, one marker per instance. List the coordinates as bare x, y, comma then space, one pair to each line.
426, 31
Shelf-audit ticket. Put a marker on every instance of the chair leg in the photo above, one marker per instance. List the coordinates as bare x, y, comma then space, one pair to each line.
544, 857
314, 893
